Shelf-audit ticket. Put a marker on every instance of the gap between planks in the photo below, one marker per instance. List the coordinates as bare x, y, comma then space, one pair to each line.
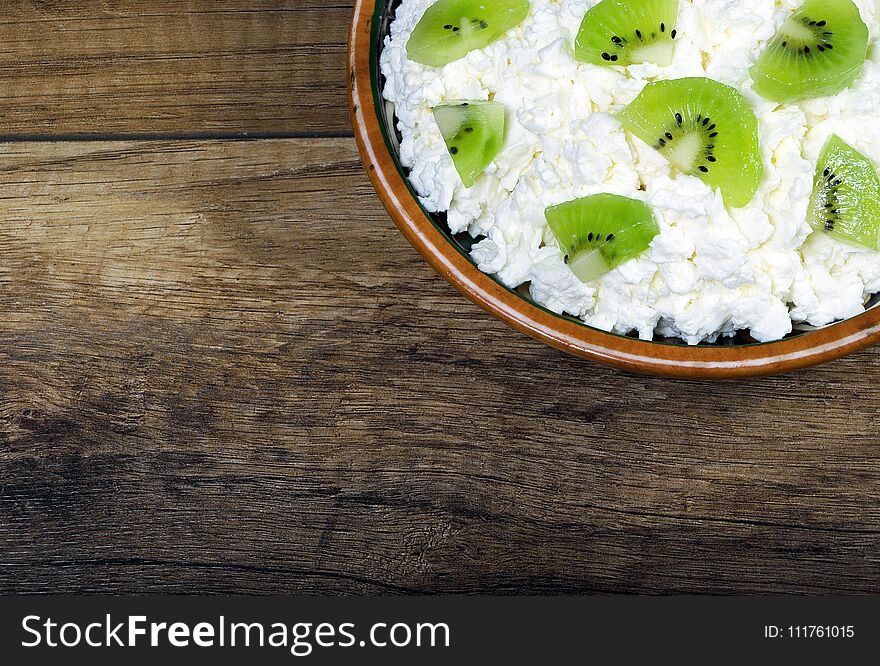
169, 136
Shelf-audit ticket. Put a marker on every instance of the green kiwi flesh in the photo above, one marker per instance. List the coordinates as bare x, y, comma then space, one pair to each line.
705, 129
474, 134
627, 32
601, 232
450, 29
819, 51
845, 203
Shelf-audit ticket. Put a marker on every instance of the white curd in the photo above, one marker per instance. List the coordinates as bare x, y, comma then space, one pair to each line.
712, 270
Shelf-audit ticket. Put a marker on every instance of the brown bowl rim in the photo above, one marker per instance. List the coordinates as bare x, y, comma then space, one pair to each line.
705, 362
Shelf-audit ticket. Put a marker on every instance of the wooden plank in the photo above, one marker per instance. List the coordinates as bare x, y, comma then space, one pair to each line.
222, 369
179, 66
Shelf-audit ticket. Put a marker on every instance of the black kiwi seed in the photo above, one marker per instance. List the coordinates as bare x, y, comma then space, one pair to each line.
702, 124
606, 56
453, 150
832, 200
590, 237
821, 39
616, 39
673, 34
468, 129
483, 25
638, 33
610, 237
614, 58
447, 27
662, 27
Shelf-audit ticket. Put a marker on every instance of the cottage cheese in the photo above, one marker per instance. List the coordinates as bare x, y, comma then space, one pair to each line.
712, 270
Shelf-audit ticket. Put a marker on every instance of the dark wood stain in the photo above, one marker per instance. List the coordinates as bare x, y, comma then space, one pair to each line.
223, 370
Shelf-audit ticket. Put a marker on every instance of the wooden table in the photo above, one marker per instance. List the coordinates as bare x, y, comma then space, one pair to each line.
223, 370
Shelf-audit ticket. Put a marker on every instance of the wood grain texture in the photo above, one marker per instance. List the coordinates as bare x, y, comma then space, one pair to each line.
178, 66
222, 370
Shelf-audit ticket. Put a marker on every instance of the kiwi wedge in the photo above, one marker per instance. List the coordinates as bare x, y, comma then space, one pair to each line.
474, 134
627, 32
845, 203
601, 232
819, 51
450, 29
705, 129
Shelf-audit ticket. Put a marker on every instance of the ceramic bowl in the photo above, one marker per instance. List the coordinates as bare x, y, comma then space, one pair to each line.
374, 126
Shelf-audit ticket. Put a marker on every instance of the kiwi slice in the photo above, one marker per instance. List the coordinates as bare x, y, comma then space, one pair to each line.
819, 51
474, 133
705, 129
845, 203
627, 32
600, 232
451, 29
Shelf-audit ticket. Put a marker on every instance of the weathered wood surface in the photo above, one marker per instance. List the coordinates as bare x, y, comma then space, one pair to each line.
222, 369
176, 66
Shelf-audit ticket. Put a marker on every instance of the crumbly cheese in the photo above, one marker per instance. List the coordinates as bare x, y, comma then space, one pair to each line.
712, 270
